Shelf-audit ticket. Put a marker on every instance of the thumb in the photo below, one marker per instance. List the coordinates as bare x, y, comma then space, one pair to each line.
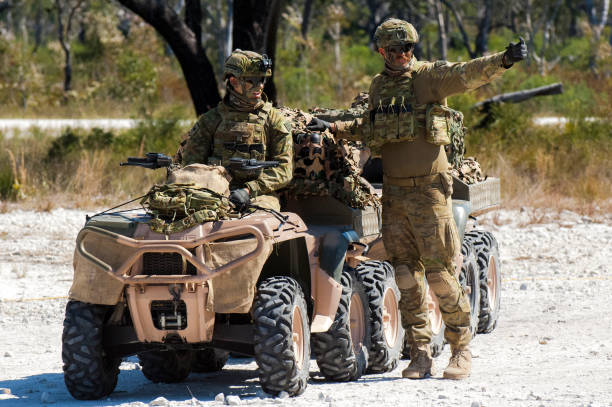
522, 41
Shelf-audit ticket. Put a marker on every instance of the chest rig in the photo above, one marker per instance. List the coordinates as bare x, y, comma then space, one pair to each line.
395, 116
240, 135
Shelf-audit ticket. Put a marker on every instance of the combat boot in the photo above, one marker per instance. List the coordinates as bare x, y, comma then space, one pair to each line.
459, 365
420, 363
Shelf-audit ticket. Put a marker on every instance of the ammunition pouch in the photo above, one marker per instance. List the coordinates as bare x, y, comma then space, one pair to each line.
391, 123
440, 121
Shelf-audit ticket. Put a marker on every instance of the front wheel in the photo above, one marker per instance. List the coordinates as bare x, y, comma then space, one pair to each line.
342, 351
387, 334
89, 373
166, 366
282, 336
209, 360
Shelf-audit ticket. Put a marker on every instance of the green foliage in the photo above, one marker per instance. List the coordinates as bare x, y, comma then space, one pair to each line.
98, 139
90, 50
65, 146
6, 182
136, 80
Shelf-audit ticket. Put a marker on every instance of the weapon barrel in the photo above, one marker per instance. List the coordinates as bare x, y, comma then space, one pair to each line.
522, 95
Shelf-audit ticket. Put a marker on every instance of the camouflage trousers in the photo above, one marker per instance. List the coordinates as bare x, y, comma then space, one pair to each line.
421, 240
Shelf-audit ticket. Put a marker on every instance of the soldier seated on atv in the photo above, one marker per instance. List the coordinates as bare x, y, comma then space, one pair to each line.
244, 125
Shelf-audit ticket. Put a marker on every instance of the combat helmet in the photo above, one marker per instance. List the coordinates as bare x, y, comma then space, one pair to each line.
395, 32
247, 63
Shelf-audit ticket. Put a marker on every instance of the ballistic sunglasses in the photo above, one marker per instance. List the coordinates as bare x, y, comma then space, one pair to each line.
397, 49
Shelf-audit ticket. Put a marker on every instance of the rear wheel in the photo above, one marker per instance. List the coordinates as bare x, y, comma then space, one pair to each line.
89, 373
166, 366
342, 351
469, 278
487, 257
282, 336
387, 333
209, 360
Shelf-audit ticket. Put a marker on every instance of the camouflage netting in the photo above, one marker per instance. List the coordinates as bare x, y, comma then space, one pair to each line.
469, 171
326, 166
466, 169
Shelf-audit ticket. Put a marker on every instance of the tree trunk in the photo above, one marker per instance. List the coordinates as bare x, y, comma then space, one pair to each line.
459, 21
185, 45
38, 28
441, 30
255, 29
4, 5
306, 17
484, 27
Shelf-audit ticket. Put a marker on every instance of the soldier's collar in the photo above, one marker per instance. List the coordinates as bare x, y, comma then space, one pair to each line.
391, 71
239, 102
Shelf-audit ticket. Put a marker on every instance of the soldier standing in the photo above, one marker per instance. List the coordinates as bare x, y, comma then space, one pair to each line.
244, 126
407, 120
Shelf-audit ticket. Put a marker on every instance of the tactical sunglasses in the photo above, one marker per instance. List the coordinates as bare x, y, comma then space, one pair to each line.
255, 80
398, 49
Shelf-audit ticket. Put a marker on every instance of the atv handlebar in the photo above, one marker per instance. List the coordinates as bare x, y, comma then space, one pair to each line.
158, 160
250, 164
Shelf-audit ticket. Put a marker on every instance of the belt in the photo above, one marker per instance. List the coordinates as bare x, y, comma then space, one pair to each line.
412, 181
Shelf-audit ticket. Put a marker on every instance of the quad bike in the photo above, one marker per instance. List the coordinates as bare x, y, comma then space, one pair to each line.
265, 284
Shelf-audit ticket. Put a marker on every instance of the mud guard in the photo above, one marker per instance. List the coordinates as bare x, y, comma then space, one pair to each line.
332, 251
461, 213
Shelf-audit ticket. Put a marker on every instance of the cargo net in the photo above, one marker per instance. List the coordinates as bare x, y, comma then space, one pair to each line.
324, 166
467, 169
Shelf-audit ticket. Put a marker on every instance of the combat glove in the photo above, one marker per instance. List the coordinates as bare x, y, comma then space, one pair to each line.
515, 52
319, 125
240, 198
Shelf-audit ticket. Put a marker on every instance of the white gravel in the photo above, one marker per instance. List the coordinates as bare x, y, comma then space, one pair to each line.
551, 347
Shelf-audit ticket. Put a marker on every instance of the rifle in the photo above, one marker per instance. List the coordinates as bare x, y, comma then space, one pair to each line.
158, 160
250, 164
152, 161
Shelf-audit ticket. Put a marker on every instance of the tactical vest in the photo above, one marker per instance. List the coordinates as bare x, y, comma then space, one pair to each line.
241, 135
395, 116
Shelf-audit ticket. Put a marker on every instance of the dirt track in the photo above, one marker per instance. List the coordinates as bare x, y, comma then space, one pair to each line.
551, 347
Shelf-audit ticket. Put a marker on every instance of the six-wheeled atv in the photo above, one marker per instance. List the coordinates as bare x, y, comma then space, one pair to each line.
265, 284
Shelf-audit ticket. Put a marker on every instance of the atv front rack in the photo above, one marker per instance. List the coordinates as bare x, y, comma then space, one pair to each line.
122, 273
169, 307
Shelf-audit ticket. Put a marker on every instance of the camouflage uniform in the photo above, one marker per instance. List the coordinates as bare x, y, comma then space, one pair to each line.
408, 123
234, 130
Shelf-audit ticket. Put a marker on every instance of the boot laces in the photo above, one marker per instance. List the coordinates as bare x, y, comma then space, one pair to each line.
457, 357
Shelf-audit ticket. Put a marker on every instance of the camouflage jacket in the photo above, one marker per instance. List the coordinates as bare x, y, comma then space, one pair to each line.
223, 133
407, 118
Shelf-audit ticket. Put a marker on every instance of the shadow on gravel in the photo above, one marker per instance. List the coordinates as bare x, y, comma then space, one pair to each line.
316, 378
235, 379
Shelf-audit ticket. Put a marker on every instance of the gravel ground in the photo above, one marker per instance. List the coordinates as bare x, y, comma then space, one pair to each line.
551, 347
